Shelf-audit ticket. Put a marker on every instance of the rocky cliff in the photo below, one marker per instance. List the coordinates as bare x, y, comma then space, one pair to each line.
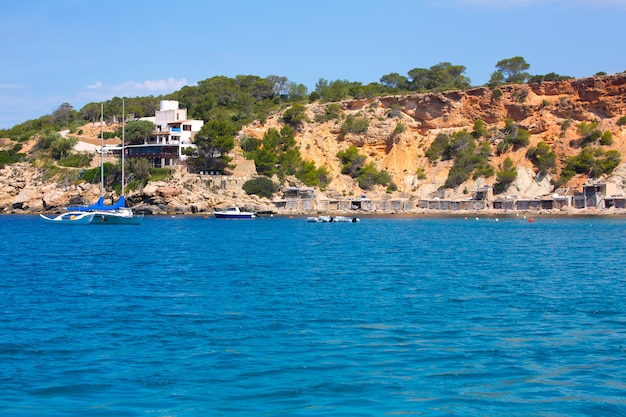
550, 111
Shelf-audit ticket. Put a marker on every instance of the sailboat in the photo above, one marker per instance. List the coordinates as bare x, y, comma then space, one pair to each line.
100, 213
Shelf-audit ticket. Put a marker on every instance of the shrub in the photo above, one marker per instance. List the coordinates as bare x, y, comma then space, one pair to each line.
566, 124
479, 129
395, 110
61, 147
356, 125
607, 138
261, 186
542, 157
295, 116
400, 127
11, 156
312, 176
351, 160
159, 174
76, 160
366, 175
468, 157
333, 112
505, 176
621, 121
515, 137
438, 147
520, 96
595, 162
585, 128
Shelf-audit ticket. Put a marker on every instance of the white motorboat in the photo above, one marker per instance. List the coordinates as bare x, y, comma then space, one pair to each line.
233, 212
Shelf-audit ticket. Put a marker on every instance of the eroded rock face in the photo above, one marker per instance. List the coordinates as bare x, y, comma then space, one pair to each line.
400, 130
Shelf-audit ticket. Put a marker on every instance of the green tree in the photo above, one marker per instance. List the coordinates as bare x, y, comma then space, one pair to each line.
310, 175
496, 79
295, 116
441, 77
469, 159
542, 157
139, 168
395, 81
297, 92
552, 76
61, 147
607, 138
438, 149
137, 132
505, 176
90, 112
334, 90
213, 142
512, 70
351, 160
479, 129
63, 114
366, 175
514, 137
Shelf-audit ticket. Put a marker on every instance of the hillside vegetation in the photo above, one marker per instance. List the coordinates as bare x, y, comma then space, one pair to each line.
524, 135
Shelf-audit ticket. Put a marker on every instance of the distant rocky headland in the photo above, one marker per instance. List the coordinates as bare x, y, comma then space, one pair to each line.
579, 121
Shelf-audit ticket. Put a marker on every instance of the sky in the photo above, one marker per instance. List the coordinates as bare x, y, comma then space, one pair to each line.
80, 51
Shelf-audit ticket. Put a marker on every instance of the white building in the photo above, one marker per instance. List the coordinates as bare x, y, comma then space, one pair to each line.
174, 132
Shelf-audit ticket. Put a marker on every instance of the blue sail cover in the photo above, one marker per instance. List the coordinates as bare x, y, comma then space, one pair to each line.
99, 206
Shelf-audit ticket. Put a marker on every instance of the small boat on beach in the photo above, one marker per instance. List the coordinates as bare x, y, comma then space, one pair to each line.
233, 212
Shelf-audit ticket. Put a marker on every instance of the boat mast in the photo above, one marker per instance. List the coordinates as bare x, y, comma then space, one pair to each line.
101, 149
123, 148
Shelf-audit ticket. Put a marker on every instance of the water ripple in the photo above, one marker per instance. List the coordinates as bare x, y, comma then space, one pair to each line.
192, 316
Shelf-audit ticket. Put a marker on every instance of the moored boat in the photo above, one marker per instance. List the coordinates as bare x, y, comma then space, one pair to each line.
70, 218
233, 212
332, 219
100, 213
345, 219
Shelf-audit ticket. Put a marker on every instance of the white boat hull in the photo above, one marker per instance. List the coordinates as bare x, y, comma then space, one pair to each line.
95, 217
233, 213
70, 218
332, 219
117, 218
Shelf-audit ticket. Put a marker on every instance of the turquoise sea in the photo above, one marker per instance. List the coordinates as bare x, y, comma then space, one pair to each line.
189, 316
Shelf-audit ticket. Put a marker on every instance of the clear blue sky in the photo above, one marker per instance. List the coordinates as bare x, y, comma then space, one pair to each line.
81, 51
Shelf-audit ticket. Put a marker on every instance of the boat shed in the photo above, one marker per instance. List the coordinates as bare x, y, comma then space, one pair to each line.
596, 193
362, 203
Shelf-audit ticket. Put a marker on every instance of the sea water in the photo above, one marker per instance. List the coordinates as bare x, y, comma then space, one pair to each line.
189, 316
